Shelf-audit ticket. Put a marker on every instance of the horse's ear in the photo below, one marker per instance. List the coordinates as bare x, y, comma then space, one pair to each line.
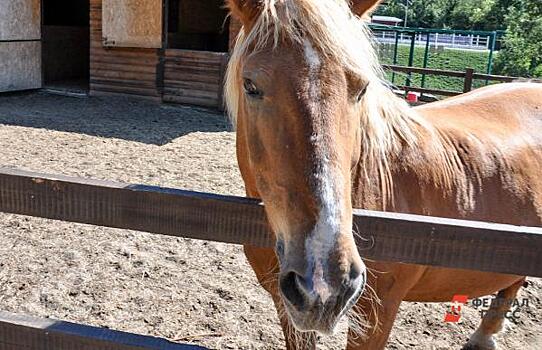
245, 10
364, 8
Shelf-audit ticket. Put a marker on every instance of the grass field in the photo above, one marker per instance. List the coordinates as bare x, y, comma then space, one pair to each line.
449, 59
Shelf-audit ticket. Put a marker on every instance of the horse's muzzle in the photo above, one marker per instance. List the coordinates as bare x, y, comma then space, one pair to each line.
316, 307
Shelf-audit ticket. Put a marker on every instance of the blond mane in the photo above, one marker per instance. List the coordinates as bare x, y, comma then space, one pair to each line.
388, 123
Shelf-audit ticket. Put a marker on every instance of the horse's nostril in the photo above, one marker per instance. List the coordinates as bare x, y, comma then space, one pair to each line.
291, 290
356, 271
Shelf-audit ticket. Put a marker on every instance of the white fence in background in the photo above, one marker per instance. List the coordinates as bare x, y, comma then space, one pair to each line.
473, 42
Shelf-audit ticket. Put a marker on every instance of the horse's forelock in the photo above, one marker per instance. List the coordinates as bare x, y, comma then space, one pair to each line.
329, 24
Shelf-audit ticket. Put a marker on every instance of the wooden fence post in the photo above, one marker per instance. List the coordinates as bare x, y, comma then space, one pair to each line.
469, 73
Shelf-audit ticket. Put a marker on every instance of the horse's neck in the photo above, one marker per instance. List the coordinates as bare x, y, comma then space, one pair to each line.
421, 173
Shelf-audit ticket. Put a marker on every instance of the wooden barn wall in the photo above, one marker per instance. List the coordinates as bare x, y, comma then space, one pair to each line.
194, 77
131, 71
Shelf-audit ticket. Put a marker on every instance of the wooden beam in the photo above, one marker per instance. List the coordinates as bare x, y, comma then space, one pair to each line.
137, 207
451, 73
20, 332
384, 236
467, 84
429, 71
429, 91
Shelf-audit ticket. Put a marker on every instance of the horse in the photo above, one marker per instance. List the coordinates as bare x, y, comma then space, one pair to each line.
319, 133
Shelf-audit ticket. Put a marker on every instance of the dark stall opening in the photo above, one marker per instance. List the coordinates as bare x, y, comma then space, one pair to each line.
66, 45
198, 25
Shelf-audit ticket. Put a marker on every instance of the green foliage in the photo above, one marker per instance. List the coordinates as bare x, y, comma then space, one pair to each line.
419, 13
449, 59
522, 51
450, 14
495, 18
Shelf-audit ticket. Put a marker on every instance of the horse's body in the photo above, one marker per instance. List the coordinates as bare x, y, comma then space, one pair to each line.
497, 133
477, 156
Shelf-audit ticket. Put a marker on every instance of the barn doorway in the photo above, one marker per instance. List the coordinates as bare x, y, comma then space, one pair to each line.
201, 25
66, 45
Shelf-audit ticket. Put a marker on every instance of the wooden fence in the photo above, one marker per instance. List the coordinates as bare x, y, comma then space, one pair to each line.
468, 77
18, 332
383, 236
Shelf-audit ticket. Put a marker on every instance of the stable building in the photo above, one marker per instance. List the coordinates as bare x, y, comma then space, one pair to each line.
165, 50
386, 20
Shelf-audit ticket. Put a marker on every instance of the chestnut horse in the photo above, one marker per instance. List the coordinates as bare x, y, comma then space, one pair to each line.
319, 133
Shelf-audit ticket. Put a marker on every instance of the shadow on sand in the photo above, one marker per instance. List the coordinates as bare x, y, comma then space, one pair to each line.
129, 119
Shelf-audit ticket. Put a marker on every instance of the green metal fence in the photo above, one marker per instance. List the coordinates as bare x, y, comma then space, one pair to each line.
404, 46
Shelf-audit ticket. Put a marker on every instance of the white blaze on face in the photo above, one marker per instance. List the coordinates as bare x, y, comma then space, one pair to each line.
314, 63
324, 235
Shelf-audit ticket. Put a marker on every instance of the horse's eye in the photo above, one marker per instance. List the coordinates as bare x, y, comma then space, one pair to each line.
251, 89
362, 92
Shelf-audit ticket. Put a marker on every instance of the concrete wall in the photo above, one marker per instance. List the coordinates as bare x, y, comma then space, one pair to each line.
20, 65
20, 19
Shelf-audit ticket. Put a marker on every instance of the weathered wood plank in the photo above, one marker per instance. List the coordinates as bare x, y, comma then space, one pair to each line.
188, 92
155, 98
101, 89
137, 207
430, 91
501, 78
105, 74
123, 67
193, 77
384, 236
122, 70
191, 100
174, 84
20, 332
430, 71
124, 83
211, 69
100, 58
132, 23
188, 76
205, 55
451, 73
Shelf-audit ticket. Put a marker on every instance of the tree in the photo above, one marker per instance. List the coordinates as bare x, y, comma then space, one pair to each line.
466, 14
522, 51
495, 18
450, 14
420, 13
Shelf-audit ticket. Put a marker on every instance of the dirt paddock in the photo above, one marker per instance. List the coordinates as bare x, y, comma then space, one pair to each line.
183, 290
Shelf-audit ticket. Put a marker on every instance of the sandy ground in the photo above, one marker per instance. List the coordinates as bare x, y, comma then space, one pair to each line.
183, 290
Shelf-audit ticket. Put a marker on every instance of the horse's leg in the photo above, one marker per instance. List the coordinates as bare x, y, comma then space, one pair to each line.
377, 308
492, 322
265, 265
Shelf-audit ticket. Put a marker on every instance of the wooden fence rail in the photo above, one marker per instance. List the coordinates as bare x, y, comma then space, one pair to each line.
19, 332
468, 75
384, 236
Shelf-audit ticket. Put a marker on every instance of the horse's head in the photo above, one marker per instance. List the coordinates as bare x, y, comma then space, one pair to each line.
296, 85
